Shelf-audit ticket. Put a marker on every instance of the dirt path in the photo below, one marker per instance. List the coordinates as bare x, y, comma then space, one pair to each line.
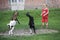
26, 32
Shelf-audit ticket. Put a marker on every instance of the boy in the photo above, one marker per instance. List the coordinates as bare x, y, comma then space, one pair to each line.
13, 22
44, 15
31, 23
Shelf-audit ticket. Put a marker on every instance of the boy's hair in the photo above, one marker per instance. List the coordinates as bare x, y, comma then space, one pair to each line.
44, 5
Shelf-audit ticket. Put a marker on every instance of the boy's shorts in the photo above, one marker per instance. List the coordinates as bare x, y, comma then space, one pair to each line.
44, 19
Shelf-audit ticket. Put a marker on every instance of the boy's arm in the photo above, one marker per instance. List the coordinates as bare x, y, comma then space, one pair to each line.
46, 12
42, 12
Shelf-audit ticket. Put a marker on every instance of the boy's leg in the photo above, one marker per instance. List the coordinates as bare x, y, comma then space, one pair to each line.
47, 25
46, 20
43, 21
42, 25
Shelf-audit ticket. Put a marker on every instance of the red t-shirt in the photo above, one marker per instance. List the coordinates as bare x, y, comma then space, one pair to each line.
45, 11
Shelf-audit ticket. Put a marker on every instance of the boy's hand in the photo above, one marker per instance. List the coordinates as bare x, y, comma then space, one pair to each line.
41, 14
